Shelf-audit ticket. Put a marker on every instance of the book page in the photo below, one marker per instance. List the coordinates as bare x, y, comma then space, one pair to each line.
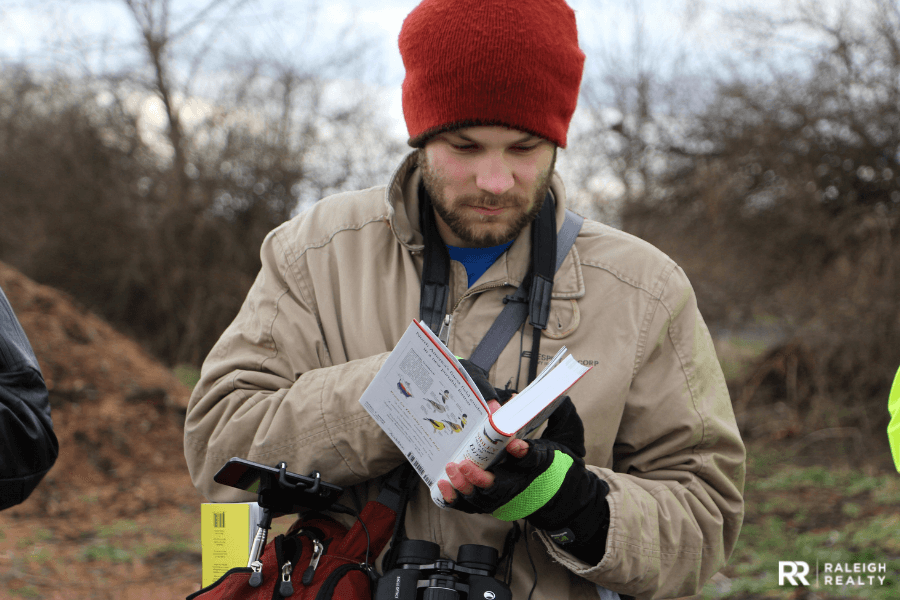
534, 400
423, 402
550, 366
450, 357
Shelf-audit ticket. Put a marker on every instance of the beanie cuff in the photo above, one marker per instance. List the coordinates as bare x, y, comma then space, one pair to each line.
423, 138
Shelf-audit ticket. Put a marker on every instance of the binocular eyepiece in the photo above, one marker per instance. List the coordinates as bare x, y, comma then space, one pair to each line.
422, 575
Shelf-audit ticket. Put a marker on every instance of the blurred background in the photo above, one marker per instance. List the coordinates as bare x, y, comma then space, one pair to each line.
147, 147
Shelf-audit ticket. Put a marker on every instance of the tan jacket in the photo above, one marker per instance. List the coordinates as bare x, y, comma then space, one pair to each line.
339, 285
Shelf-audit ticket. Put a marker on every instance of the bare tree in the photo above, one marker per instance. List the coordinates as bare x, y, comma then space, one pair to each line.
247, 132
636, 102
798, 201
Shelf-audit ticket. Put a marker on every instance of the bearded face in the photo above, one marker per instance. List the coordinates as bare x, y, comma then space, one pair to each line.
486, 183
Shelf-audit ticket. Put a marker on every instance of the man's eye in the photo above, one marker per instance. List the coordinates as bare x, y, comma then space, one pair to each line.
463, 147
524, 148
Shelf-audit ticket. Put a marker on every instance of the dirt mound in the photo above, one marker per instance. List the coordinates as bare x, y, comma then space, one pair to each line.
119, 417
82, 357
115, 410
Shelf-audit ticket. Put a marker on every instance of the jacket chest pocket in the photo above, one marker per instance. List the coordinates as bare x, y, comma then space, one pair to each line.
564, 319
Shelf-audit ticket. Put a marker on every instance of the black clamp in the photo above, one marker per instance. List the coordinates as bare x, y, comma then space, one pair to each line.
541, 291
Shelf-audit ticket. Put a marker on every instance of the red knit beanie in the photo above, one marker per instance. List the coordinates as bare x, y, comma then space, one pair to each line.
490, 62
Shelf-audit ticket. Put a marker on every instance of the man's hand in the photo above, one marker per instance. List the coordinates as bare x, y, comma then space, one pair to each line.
564, 427
466, 476
542, 481
472, 476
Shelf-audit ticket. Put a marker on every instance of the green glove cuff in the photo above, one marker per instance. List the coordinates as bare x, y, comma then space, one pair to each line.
539, 492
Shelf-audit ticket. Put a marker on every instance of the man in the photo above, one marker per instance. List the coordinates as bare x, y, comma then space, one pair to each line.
651, 505
28, 446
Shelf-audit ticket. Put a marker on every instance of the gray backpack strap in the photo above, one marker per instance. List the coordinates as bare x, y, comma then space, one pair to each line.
516, 310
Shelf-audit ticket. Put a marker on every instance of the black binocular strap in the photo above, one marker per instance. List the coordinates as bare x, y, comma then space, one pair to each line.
532, 299
436, 267
394, 493
522, 303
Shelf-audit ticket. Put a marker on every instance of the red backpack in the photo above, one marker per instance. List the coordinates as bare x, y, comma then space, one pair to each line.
319, 558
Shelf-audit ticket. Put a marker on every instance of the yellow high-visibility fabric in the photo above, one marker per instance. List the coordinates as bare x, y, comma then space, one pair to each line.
893, 429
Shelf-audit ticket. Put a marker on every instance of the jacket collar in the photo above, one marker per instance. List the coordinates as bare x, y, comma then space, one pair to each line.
402, 203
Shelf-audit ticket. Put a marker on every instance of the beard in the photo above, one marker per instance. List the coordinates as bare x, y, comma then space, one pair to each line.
484, 231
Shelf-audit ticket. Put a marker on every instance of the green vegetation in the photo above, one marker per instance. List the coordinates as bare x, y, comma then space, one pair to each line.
105, 552
126, 541
118, 528
736, 354
817, 515
180, 544
40, 554
187, 374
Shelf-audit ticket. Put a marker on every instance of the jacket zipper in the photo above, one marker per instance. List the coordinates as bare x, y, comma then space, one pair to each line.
444, 333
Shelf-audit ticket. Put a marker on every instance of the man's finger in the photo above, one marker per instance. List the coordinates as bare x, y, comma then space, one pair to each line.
458, 480
447, 491
517, 448
493, 405
475, 476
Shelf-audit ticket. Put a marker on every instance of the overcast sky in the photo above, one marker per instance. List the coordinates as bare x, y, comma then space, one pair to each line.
101, 35
45, 32
31, 28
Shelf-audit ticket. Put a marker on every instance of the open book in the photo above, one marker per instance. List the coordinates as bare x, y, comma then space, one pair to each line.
432, 410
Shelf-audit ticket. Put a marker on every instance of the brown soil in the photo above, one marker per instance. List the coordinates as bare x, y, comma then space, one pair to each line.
117, 516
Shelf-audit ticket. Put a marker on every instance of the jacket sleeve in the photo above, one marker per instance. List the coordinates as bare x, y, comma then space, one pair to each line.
28, 445
676, 486
268, 392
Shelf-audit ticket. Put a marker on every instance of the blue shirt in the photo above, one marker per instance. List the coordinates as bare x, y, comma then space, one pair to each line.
477, 260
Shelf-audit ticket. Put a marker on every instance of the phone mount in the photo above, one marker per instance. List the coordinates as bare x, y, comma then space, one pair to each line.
277, 496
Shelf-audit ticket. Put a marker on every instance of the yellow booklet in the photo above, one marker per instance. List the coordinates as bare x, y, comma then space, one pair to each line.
226, 535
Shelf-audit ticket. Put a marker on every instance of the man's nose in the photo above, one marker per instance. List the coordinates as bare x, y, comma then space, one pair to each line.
494, 176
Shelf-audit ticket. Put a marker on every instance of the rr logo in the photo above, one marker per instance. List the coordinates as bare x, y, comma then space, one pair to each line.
789, 570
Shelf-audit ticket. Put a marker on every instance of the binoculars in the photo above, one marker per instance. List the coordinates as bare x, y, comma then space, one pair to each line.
421, 574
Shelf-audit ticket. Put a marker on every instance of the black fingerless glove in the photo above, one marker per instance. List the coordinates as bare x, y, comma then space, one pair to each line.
551, 489
480, 377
